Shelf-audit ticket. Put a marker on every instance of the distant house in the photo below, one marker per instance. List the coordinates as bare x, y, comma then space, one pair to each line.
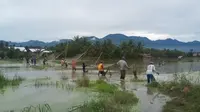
180, 57
195, 54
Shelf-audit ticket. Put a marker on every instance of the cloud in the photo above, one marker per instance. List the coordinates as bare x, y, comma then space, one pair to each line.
55, 19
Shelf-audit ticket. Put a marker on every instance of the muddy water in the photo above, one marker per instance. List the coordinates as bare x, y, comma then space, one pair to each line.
61, 98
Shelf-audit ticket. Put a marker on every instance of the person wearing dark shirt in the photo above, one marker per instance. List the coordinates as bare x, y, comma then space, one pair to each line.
84, 66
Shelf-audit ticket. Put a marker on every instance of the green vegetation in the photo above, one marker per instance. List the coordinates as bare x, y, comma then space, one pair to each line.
9, 82
105, 88
119, 101
10, 61
166, 53
38, 67
130, 49
38, 108
123, 97
10, 53
109, 99
185, 95
98, 85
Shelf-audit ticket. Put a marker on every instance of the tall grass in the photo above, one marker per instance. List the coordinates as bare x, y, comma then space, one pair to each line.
120, 101
38, 108
184, 93
9, 82
110, 99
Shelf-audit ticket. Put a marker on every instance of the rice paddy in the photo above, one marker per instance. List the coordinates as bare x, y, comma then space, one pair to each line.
49, 89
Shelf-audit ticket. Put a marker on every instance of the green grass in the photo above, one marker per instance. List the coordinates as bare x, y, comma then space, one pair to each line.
10, 61
9, 82
98, 85
123, 97
120, 101
185, 95
110, 98
40, 67
182, 101
103, 106
154, 84
38, 108
105, 88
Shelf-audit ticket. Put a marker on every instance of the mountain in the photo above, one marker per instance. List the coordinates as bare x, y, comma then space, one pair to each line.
158, 44
37, 43
118, 38
168, 41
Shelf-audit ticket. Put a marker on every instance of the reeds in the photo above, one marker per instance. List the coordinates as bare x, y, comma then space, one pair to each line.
9, 82
38, 108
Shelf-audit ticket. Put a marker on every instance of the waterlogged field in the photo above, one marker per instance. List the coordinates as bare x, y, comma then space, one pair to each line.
62, 90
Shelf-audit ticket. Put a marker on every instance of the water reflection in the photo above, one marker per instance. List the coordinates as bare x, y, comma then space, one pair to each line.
73, 75
123, 87
149, 91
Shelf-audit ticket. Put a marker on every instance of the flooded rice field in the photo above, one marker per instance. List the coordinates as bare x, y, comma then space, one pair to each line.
56, 87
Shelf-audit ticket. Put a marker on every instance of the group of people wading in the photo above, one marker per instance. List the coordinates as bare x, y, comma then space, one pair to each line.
123, 67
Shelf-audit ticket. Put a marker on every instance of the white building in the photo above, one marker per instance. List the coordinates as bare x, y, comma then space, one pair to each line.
22, 49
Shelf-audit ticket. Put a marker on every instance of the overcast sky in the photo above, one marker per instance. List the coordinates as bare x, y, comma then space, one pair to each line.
47, 20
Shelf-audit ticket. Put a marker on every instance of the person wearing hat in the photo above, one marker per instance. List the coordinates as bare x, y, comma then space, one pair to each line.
150, 70
123, 66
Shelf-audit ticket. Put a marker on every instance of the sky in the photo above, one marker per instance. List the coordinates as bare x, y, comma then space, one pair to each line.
48, 20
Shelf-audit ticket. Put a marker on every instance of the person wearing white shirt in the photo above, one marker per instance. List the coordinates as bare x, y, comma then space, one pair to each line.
150, 70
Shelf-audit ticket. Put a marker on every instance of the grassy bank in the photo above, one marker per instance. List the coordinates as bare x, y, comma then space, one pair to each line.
184, 94
109, 98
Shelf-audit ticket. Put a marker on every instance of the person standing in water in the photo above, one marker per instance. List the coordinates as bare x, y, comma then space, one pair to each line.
66, 64
27, 61
45, 60
62, 62
101, 69
73, 65
34, 60
150, 70
135, 71
84, 66
123, 67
